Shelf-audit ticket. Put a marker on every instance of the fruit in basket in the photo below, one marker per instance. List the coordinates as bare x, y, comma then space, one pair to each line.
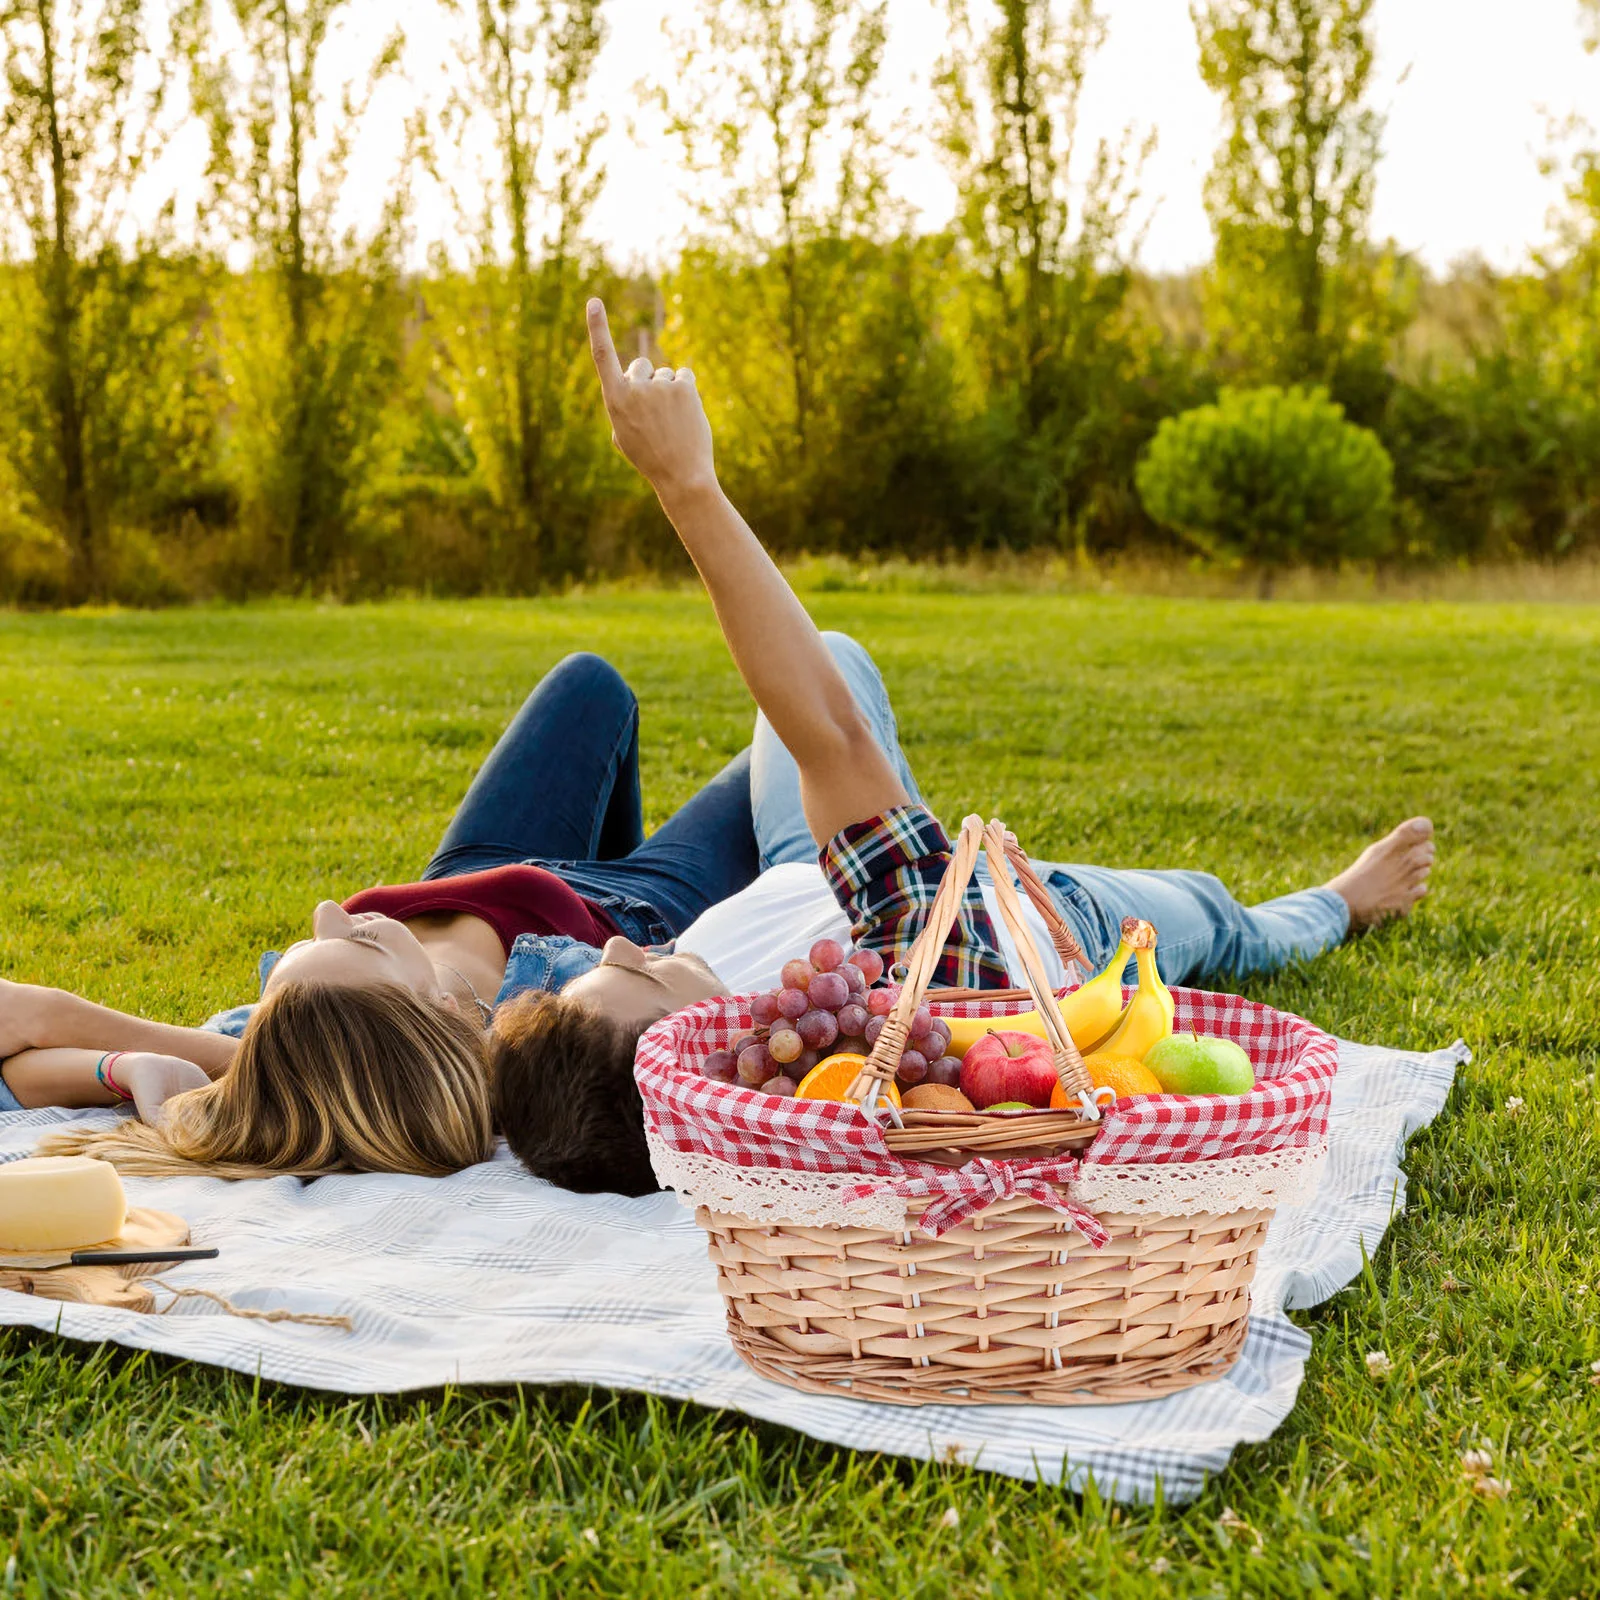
1011, 1105
912, 1070
869, 963
1004, 1066
1126, 1076
755, 1065
946, 1070
796, 974
1148, 1018
831, 1080
826, 955
936, 1097
722, 1065
785, 1045
829, 992
1197, 1063
783, 1085
1092, 1012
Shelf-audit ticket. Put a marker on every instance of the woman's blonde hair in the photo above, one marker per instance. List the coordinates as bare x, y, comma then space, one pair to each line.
326, 1080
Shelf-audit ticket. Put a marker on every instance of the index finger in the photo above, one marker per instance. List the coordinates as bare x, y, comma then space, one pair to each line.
601, 347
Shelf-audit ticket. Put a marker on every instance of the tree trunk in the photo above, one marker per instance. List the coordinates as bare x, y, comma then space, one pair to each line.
62, 315
300, 556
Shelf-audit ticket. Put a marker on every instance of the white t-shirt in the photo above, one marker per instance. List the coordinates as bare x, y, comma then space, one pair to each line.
748, 937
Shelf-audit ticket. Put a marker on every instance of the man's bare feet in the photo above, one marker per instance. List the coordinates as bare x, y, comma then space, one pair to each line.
1388, 877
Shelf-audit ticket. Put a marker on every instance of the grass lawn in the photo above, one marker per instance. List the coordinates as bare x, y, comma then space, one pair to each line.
177, 790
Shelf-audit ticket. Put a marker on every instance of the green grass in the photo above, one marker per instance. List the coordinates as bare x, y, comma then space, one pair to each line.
176, 790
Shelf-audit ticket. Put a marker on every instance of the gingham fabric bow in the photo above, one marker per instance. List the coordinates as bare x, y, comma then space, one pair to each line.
968, 1190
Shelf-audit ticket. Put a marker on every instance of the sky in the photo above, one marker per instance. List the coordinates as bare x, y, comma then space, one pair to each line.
1471, 90
1468, 87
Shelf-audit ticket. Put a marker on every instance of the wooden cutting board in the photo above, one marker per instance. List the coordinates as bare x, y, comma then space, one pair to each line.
144, 1230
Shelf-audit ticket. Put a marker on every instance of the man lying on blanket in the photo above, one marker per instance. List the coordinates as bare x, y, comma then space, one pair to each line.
563, 1068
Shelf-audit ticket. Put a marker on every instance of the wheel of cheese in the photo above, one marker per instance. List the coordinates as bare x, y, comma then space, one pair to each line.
59, 1203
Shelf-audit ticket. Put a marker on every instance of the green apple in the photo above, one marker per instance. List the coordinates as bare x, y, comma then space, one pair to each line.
1196, 1063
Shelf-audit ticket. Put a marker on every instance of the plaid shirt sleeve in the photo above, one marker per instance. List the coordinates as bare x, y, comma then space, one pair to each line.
885, 872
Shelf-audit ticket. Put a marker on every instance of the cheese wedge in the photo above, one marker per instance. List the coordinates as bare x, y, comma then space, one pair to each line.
59, 1203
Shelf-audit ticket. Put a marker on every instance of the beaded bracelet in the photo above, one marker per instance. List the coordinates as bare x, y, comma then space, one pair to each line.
102, 1071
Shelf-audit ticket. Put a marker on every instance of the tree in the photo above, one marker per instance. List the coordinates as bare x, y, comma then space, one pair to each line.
309, 335
1049, 273
776, 108
500, 342
83, 121
1298, 290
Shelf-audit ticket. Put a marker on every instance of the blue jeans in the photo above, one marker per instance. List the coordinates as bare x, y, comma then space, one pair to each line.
561, 791
1204, 932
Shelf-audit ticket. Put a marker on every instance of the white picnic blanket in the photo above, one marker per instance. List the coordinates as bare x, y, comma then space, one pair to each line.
491, 1276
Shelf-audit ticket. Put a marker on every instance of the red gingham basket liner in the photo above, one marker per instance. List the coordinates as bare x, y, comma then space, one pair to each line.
1288, 1108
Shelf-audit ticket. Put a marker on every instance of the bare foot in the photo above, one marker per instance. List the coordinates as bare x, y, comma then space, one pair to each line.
1389, 876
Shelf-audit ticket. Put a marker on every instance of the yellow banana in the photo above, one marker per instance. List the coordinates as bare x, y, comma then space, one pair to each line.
1091, 1012
1148, 1018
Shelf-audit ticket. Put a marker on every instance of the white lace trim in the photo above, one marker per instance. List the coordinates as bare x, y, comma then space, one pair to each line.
766, 1194
1190, 1188
818, 1199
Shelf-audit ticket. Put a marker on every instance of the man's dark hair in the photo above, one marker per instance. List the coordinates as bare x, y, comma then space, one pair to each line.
564, 1095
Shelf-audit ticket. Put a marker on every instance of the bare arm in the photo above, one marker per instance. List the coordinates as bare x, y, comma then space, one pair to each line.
69, 1078
35, 1018
660, 425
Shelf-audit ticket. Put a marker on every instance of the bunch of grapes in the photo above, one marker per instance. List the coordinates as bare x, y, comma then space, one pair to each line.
826, 1004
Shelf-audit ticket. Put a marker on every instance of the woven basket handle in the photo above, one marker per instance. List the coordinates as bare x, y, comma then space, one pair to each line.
1061, 934
923, 961
1070, 1069
921, 964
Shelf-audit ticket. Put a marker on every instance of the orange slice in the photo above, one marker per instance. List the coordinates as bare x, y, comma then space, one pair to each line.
831, 1080
1127, 1075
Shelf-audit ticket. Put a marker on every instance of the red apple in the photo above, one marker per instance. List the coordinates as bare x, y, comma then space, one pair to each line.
1004, 1065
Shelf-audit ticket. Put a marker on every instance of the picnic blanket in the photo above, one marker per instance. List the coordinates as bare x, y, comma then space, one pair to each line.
494, 1277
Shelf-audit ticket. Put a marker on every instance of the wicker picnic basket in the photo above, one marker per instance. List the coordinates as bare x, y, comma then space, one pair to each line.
1065, 1257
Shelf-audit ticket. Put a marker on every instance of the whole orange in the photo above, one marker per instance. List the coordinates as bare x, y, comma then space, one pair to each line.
1128, 1075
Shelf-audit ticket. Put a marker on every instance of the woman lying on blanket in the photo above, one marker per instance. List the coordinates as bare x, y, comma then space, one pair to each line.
831, 775
369, 1049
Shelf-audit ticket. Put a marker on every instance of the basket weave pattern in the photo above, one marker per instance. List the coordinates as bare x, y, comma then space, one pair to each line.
979, 1291
1009, 1306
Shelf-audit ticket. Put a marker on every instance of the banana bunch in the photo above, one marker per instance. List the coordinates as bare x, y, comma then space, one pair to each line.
1094, 1013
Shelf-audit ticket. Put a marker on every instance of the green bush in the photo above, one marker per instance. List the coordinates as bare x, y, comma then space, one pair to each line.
1270, 476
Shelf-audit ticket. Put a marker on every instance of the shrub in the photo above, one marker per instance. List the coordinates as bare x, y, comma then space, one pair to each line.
1270, 476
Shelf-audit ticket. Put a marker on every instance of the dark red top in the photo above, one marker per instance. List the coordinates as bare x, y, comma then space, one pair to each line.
512, 900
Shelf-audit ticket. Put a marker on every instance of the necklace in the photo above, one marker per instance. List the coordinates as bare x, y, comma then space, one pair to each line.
485, 1010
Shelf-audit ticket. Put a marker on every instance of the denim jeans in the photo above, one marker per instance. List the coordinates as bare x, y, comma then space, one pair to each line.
1204, 932
561, 791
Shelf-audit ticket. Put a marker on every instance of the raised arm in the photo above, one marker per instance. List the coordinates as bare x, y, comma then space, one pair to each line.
659, 424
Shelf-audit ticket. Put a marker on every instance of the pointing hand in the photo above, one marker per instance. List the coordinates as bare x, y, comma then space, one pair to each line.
657, 420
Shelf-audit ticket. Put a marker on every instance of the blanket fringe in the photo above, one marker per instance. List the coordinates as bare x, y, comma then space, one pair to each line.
310, 1319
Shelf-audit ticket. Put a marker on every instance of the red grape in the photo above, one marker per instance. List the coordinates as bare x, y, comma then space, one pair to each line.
852, 975
946, 1070
870, 963
796, 974
874, 1028
853, 1019
764, 1010
880, 1002
784, 1045
829, 991
756, 1065
849, 1047
793, 1003
783, 1084
921, 1023
722, 1065
912, 1070
743, 1042
808, 1059
827, 954
937, 1041
818, 1029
